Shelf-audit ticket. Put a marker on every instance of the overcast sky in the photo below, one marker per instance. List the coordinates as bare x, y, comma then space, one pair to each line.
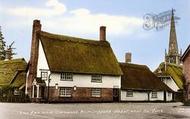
82, 18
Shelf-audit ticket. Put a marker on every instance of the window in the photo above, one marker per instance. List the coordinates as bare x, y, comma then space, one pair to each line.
96, 78
66, 77
129, 93
65, 92
44, 75
169, 94
96, 92
154, 94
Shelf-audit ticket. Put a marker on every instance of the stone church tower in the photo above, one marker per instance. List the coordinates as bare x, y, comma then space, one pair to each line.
173, 55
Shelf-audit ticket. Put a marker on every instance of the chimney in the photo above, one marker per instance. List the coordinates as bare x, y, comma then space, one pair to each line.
8, 54
33, 55
102, 33
128, 57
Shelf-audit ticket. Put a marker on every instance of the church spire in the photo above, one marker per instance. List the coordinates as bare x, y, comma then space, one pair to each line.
173, 55
173, 46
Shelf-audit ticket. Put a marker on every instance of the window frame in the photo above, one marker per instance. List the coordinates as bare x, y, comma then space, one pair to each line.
67, 92
154, 94
95, 91
66, 77
42, 76
129, 93
96, 78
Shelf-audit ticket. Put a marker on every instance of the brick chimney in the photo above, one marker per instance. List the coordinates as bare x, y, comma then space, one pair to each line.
102, 33
33, 56
128, 57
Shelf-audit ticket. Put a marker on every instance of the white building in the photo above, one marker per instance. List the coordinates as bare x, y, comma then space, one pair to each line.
172, 76
138, 83
73, 69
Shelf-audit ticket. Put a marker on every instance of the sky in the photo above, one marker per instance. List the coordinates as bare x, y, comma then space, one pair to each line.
82, 18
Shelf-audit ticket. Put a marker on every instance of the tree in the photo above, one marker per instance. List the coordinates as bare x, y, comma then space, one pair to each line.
2, 46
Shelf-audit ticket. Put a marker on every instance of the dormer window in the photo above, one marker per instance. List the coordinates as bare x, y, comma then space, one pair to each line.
96, 78
66, 77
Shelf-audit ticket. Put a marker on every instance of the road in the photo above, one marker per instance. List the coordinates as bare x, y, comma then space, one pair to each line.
94, 111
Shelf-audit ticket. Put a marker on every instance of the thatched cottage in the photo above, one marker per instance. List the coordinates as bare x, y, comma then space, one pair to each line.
172, 76
69, 69
12, 77
138, 83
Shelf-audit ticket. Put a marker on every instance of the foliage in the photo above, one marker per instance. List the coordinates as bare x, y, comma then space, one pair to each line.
2, 46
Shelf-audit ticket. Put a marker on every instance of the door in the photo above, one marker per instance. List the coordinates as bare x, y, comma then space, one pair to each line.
116, 95
165, 96
42, 89
35, 91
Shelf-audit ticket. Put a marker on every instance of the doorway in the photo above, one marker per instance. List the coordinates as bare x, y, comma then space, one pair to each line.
116, 95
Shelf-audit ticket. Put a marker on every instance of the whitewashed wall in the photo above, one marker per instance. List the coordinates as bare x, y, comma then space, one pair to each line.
160, 96
137, 96
143, 96
42, 62
171, 83
80, 80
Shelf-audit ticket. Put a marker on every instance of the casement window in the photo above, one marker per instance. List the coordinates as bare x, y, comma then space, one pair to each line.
65, 92
129, 93
154, 94
96, 92
96, 78
44, 75
66, 77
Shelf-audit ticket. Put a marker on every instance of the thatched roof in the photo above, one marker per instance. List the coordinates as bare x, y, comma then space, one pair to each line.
139, 77
13, 72
173, 70
77, 55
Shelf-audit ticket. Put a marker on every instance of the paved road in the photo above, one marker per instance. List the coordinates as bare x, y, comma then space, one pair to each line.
94, 111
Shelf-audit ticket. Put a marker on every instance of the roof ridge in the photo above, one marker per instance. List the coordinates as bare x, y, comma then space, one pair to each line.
132, 65
12, 61
73, 39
